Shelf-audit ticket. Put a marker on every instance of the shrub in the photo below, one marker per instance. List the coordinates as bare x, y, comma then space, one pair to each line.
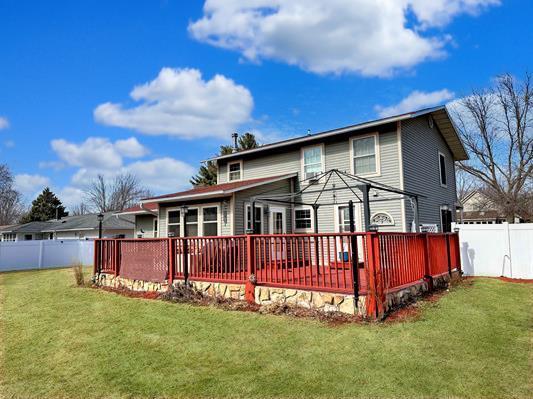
78, 274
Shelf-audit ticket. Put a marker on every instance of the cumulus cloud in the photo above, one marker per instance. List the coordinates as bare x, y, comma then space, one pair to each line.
4, 122
162, 174
30, 185
414, 101
368, 37
98, 152
179, 102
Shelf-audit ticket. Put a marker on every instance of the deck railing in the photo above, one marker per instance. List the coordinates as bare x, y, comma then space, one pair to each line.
371, 264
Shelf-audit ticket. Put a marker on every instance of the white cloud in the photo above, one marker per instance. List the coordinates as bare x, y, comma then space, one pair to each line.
4, 122
368, 37
9, 143
30, 185
162, 174
414, 101
180, 103
131, 148
441, 12
71, 196
98, 152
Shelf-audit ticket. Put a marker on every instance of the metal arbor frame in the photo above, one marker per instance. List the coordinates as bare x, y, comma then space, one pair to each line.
364, 185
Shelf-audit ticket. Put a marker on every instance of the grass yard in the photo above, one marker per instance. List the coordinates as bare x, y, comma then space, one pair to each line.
58, 341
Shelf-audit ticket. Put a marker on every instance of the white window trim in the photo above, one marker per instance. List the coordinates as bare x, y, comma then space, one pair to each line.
228, 170
281, 209
322, 159
168, 210
357, 217
200, 221
154, 230
219, 219
246, 205
440, 171
300, 230
393, 223
377, 154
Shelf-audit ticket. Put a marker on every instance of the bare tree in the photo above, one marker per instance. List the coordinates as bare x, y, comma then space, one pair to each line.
124, 191
466, 185
11, 207
80, 209
496, 128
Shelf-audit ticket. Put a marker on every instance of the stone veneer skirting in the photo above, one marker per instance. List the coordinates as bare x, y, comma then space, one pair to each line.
327, 302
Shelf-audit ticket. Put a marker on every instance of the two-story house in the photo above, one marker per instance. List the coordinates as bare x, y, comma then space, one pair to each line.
413, 152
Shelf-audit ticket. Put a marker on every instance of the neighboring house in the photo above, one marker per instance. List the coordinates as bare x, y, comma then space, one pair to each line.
412, 152
478, 209
83, 227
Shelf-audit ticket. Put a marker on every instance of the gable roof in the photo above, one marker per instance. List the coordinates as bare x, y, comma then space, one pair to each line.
440, 116
141, 209
218, 190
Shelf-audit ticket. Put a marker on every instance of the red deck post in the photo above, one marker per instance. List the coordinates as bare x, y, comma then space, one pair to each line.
427, 263
375, 293
116, 256
447, 238
171, 261
249, 290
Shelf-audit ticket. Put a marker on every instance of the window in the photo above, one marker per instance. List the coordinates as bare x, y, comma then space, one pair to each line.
344, 219
442, 170
210, 221
28, 237
155, 228
235, 171
382, 219
258, 218
9, 237
173, 223
191, 223
365, 155
302, 219
312, 161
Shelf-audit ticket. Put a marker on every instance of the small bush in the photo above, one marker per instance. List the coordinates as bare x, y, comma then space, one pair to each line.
78, 274
182, 293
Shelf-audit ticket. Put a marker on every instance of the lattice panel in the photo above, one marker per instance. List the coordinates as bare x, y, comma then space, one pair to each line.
144, 260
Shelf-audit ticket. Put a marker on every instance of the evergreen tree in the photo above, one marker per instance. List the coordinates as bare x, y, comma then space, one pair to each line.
207, 174
44, 208
247, 141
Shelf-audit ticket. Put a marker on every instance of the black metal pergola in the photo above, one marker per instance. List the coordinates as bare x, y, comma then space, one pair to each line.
321, 183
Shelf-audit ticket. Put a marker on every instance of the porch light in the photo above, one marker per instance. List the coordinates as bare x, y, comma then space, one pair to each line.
100, 218
456, 229
373, 228
184, 209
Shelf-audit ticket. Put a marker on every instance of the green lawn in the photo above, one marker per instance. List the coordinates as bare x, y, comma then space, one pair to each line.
59, 341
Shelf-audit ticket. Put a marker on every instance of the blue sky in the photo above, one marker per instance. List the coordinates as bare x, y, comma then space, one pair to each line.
68, 108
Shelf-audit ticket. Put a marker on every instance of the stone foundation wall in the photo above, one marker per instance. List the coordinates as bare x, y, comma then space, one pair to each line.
327, 302
233, 291
409, 294
109, 280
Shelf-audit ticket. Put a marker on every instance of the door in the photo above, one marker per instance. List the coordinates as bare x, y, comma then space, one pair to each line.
278, 225
446, 220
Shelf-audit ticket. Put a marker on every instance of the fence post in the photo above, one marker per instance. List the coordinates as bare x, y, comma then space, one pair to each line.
185, 250
95, 256
447, 237
375, 298
116, 256
458, 254
249, 285
427, 263
171, 260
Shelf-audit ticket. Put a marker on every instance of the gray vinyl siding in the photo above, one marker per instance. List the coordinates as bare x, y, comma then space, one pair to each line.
420, 148
243, 197
144, 223
336, 156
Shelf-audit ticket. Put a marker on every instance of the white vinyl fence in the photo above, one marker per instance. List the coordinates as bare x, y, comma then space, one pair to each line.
43, 254
497, 249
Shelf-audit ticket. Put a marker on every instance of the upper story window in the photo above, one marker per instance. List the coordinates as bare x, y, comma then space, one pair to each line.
312, 161
442, 170
365, 155
235, 171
